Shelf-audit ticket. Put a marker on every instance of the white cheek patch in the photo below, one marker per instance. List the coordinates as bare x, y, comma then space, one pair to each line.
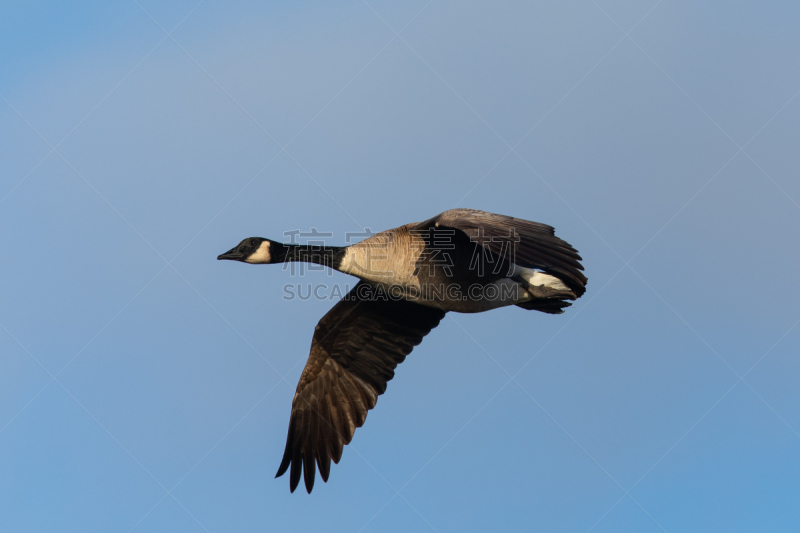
261, 255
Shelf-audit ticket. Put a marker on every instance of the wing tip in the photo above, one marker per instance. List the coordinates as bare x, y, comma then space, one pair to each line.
284, 466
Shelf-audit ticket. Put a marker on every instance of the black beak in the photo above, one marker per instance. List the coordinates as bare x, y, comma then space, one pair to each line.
233, 255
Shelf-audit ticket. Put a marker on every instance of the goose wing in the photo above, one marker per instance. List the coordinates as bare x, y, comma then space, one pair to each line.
532, 244
354, 351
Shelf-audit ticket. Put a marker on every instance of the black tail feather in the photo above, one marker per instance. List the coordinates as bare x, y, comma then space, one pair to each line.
553, 307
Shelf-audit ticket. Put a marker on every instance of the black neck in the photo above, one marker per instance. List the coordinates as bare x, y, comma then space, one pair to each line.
329, 256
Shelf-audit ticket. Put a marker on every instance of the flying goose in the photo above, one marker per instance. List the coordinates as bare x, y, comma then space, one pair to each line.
461, 260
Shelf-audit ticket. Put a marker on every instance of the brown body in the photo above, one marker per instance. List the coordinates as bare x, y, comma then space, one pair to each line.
440, 268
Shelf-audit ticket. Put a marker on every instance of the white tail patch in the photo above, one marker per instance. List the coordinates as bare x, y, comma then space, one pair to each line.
535, 278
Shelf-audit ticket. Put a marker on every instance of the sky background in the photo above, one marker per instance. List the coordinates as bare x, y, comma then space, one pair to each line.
145, 386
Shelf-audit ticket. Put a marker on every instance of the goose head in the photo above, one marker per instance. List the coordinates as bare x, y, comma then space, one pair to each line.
254, 250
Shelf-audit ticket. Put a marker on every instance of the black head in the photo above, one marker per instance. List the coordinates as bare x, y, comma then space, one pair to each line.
251, 250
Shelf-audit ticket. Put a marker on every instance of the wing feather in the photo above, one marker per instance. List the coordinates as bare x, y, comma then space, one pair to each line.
354, 351
535, 245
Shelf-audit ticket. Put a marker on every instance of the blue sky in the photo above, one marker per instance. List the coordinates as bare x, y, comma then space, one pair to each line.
145, 386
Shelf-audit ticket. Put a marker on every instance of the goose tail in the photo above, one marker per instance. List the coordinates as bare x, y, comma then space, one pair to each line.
549, 293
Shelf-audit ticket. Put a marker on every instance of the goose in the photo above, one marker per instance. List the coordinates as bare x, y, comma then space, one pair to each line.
462, 260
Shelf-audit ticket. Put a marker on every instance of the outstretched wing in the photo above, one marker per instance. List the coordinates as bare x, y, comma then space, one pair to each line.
354, 352
534, 245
